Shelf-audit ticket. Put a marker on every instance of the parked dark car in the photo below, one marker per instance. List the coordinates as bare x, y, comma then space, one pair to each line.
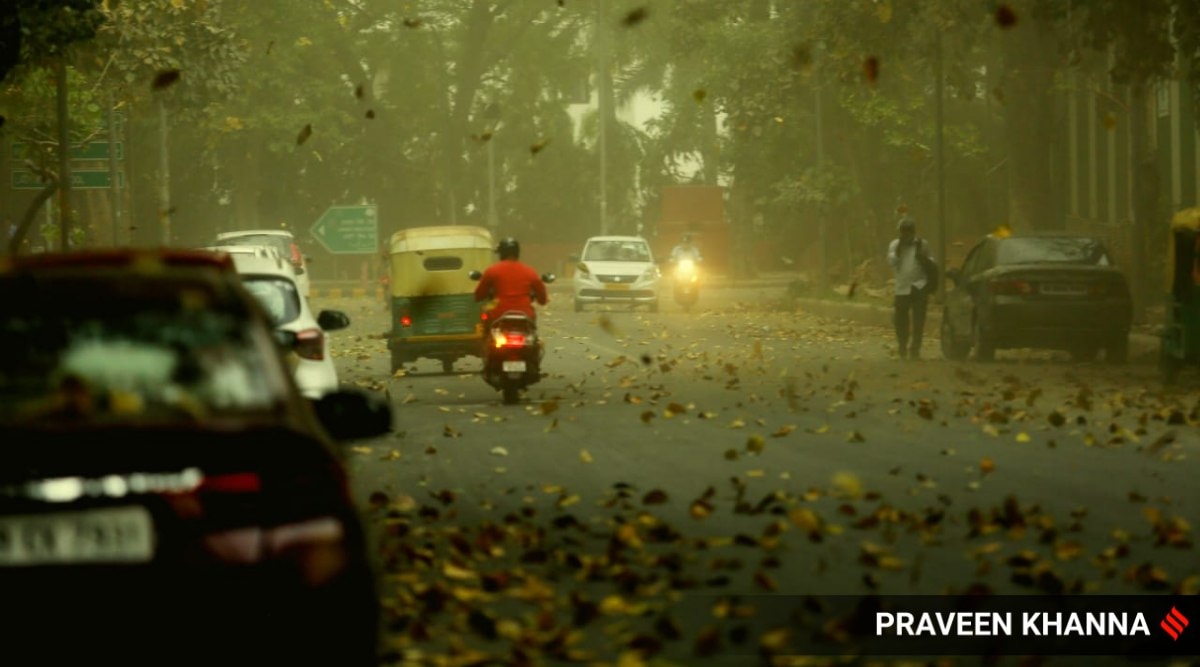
1050, 291
166, 494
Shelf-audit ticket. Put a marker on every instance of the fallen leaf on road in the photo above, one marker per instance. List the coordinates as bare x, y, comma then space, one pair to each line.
986, 465
731, 454
361, 450
847, 484
755, 444
549, 406
756, 473
700, 509
499, 451
448, 431
654, 497
585, 456
855, 436
737, 423
783, 430
1023, 437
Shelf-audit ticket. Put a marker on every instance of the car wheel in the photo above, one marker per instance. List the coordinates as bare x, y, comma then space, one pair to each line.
952, 348
447, 365
1117, 350
982, 343
397, 360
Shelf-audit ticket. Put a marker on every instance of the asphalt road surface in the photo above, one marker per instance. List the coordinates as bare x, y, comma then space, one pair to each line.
676, 468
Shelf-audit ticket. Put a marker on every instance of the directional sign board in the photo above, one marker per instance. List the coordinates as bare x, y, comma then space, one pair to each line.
348, 230
81, 179
95, 150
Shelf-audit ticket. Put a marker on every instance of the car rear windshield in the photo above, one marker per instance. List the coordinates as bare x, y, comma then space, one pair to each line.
278, 297
87, 349
1052, 250
280, 243
617, 251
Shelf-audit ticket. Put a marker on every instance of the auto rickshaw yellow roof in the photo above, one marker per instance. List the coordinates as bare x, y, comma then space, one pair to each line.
442, 237
1188, 218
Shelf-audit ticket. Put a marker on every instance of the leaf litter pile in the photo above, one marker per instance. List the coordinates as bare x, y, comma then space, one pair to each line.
641, 571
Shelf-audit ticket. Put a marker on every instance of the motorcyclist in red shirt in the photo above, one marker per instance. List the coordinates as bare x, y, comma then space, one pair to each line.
514, 285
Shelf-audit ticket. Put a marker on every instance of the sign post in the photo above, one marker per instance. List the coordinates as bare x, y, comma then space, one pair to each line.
348, 230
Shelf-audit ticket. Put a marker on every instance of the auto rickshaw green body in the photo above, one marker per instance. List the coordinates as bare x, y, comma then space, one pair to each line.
1181, 336
433, 308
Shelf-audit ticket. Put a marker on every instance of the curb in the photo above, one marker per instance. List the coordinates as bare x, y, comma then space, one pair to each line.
1140, 344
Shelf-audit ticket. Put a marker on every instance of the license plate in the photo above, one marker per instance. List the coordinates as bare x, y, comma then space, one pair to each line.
122, 534
1064, 289
616, 286
514, 366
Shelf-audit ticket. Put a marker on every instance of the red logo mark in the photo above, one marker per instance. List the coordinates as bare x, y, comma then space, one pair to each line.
1174, 623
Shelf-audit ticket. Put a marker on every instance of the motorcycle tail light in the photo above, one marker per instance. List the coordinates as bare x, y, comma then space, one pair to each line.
310, 344
510, 339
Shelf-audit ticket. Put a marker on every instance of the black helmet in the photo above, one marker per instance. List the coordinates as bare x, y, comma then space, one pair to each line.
907, 224
509, 248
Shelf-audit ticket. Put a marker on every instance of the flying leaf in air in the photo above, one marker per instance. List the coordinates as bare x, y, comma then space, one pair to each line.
305, 133
165, 79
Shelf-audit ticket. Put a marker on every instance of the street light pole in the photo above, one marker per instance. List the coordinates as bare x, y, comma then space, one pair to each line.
64, 156
602, 95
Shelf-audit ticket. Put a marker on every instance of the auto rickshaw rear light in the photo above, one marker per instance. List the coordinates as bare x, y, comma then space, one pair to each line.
243, 482
1012, 287
310, 344
405, 321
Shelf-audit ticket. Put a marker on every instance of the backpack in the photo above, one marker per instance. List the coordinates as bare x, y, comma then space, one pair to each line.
930, 267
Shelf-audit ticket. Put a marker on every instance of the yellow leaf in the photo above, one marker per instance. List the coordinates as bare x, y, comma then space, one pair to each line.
452, 571
783, 430
986, 465
585, 456
1023, 437
848, 484
756, 473
805, 519
304, 41
737, 423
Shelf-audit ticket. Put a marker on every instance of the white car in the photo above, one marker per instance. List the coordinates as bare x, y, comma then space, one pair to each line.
281, 240
272, 281
617, 269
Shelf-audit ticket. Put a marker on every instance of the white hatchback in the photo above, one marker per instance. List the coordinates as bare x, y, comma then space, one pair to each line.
281, 240
617, 269
273, 283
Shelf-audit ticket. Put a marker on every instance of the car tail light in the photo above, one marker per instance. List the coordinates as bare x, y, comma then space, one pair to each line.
310, 344
1012, 287
510, 339
241, 482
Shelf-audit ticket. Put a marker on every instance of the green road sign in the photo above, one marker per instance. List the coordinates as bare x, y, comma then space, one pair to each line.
81, 179
96, 150
348, 230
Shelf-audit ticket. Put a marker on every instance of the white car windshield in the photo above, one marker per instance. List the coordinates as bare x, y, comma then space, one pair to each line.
617, 251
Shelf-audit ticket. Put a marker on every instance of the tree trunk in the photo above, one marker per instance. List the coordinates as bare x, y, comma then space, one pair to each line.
64, 156
1030, 57
1145, 194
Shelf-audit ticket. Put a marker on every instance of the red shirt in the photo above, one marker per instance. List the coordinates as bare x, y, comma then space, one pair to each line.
510, 282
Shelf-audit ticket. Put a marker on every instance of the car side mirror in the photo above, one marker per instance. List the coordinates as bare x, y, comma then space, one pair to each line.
353, 415
332, 320
474, 275
286, 340
549, 277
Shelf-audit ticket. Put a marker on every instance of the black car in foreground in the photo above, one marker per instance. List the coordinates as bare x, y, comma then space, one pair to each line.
166, 495
1050, 291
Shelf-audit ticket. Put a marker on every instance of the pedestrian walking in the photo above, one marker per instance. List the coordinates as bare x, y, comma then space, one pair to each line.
915, 273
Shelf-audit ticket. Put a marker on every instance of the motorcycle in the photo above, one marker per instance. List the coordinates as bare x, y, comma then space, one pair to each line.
687, 282
512, 356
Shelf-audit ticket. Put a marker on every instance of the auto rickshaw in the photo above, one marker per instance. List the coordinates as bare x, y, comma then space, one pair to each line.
1181, 337
433, 308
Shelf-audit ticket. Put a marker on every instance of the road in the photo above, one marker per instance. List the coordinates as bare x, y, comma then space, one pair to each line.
672, 459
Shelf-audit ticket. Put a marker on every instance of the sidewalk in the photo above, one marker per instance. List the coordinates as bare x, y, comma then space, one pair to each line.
1140, 344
